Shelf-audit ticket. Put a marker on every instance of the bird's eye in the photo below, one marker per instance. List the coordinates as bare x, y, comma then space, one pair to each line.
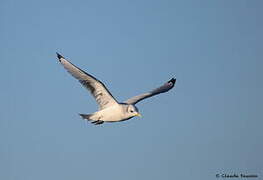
131, 111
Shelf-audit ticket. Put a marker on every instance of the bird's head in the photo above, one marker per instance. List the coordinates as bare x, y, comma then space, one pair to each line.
133, 111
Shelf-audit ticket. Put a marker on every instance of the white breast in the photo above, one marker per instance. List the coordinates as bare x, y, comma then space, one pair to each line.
112, 113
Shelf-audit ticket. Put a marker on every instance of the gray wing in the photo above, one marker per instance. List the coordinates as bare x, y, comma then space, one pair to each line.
96, 87
162, 89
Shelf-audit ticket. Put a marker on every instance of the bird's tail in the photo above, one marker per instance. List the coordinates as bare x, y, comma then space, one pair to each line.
89, 118
86, 116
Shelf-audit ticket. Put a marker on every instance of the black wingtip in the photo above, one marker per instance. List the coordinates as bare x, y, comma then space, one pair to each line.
59, 56
173, 80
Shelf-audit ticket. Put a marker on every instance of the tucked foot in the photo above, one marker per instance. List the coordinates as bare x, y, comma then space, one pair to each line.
97, 122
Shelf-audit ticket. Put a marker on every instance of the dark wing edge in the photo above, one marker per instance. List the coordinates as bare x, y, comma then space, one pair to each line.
88, 81
162, 89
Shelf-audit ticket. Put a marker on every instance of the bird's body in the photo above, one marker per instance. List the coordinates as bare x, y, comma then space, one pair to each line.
111, 114
110, 110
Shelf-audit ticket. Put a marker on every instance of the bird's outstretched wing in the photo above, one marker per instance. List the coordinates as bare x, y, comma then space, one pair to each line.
162, 89
96, 87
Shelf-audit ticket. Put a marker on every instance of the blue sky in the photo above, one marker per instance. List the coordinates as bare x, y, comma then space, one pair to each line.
210, 123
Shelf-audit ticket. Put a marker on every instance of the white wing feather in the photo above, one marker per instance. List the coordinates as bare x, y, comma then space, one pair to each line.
96, 87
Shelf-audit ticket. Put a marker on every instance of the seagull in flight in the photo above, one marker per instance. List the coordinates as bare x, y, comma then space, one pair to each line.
110, 110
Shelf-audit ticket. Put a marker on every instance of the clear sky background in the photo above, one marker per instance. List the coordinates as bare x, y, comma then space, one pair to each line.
210, 123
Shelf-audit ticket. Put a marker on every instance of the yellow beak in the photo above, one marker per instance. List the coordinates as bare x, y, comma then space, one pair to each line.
138, 114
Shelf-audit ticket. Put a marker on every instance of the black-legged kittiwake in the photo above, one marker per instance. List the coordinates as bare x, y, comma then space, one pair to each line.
110, 110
